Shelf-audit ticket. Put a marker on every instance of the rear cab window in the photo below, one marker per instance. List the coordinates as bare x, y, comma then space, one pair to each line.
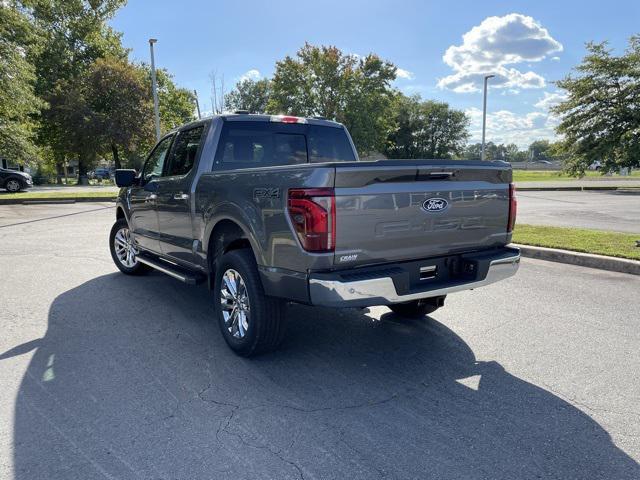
248, 144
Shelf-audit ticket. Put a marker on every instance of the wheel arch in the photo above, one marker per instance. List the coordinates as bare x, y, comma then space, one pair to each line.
226, 235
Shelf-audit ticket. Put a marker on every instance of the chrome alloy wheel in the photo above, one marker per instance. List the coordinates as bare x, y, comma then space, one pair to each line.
124, 248
234, 300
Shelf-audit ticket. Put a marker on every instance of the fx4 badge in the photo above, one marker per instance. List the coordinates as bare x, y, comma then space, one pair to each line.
265, 192
434, 205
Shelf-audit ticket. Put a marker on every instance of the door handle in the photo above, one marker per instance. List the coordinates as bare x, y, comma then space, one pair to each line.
151, 198
181, 196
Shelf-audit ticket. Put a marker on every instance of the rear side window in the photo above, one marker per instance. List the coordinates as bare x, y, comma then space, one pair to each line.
260, 144
183, 154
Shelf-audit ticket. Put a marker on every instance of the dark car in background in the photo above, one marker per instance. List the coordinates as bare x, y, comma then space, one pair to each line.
14, 180
100, 174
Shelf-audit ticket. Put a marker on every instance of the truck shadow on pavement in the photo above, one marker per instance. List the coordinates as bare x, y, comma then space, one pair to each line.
133, 380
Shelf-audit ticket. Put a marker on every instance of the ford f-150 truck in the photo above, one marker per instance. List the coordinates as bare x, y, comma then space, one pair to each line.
275, 209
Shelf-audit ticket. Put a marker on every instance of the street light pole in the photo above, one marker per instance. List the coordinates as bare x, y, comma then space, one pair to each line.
154, 88
484, 114
195, 93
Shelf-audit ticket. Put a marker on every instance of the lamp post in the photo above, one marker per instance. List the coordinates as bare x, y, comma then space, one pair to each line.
484, 114
195, 94
154, 89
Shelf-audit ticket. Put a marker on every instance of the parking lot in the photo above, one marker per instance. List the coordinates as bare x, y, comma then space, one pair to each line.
108, 376
612, 210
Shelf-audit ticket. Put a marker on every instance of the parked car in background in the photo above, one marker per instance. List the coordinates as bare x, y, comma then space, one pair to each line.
276, 209
597, 165
100, 174
14, 180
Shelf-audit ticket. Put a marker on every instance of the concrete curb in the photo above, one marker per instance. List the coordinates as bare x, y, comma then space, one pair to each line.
39, 201
602, 262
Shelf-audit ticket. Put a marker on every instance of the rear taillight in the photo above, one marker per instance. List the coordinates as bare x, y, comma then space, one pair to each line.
513, 207
313, 214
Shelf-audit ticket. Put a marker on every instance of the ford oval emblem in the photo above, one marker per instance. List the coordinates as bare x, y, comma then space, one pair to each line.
434, 205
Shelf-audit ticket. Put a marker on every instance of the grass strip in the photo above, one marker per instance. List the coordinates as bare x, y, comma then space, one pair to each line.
613, 244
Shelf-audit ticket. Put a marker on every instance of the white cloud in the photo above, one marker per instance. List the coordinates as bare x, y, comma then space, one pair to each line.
252, 74
490, 47
471, 81
549, 100
404, 74
505, 126
555, 59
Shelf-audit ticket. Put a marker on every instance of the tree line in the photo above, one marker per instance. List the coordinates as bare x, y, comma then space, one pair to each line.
357, 91
598, 121
68, 91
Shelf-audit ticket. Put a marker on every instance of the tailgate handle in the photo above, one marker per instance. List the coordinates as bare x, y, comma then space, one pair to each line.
428, 272
440, 174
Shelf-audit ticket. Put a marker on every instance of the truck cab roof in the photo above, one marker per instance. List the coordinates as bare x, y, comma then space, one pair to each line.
261, 117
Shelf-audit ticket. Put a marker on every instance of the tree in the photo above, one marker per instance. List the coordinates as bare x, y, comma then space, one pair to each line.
119, 96
540, 149
426, 129
322, 81
250, 95
600, 119
72, 35
177, 105
18, 102
493, 151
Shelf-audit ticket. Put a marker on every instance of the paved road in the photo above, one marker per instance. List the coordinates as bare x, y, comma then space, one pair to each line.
616, 210
107, 376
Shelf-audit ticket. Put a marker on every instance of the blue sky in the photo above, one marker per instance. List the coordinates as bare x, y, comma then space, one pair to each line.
443, 48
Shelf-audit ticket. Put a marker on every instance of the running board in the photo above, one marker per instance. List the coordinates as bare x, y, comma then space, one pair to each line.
170, 269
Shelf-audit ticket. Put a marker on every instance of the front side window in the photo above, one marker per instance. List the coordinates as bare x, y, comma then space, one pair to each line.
184, 152
155, 163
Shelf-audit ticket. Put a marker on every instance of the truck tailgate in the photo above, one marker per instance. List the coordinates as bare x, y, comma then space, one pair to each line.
410, 209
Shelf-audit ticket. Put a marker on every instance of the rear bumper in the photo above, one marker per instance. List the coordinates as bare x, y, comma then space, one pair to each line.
338, 290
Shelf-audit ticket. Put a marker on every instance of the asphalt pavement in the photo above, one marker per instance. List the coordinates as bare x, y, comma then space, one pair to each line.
613, 210
108, 376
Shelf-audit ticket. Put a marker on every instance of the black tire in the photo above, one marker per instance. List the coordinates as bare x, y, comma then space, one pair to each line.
266, 321
138, 268
13, 185
416, 308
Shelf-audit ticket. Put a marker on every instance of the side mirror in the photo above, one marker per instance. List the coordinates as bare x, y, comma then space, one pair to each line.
125, 178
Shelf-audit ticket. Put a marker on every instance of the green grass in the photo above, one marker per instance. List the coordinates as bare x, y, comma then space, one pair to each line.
61, 195
613, 244
551, 175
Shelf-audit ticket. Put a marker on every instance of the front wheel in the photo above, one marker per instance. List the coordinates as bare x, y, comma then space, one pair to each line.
123, 249
13, 185
417, 308
250, 322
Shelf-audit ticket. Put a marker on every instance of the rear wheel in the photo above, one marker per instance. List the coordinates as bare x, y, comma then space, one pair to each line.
417, 308
250, 322
123, 249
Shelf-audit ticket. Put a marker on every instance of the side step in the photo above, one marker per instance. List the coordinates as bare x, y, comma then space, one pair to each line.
172, 270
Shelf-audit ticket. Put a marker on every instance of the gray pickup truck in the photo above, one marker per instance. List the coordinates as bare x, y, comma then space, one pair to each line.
275, 209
